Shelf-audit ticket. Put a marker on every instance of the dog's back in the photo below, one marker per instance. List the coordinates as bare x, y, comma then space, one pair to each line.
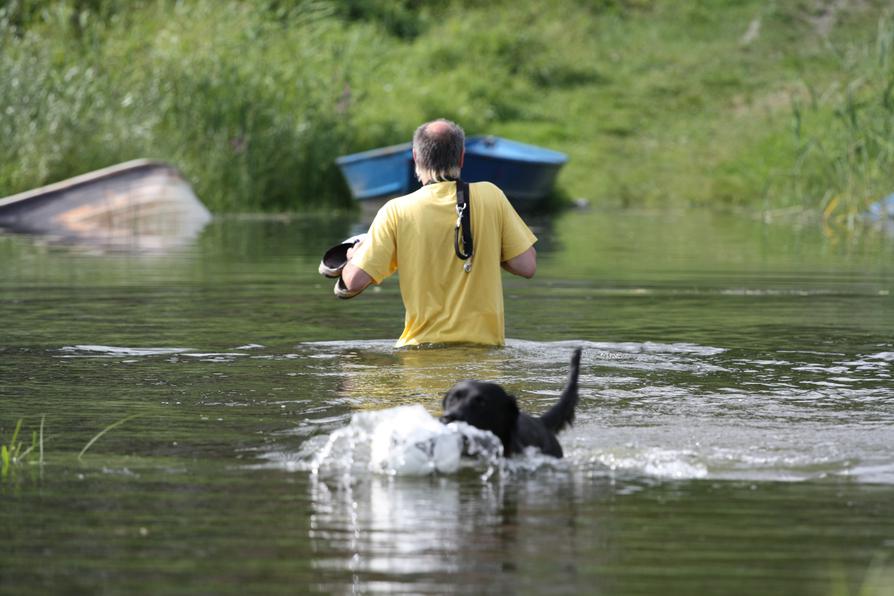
531, 431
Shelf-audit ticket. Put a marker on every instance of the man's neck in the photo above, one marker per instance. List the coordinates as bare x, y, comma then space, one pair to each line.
427, 182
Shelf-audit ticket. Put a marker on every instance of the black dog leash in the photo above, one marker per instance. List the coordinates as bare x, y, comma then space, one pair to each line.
462, 233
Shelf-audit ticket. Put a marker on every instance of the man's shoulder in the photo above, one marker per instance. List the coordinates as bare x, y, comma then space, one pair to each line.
394, 206
485, 186
409, 199
487, 191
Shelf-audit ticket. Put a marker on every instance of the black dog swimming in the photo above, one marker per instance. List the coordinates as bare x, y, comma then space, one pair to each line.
488, 407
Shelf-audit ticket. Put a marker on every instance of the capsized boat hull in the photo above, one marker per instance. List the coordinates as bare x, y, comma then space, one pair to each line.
140, 203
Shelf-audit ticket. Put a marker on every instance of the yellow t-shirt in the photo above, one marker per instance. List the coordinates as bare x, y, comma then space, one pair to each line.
443, 303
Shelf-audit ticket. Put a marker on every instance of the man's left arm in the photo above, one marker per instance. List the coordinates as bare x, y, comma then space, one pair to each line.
517, 252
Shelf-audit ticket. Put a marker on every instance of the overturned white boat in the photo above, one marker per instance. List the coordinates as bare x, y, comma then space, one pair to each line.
141, 204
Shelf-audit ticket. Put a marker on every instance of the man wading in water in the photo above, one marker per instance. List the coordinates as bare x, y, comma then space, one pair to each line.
449, 268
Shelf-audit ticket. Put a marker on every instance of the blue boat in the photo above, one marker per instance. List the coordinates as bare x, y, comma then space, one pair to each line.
526, 173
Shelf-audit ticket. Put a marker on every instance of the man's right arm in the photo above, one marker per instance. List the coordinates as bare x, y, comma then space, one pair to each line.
372, 258
524, 264
355, 278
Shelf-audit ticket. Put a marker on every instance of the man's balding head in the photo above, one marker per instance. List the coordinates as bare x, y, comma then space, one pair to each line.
438, 150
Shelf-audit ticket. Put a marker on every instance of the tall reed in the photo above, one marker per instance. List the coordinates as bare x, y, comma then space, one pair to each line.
845, 133
247, 105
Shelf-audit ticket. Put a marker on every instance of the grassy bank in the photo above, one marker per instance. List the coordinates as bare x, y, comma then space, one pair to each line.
757, 104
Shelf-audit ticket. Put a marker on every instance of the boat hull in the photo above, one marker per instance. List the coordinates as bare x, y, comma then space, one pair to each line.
137, 204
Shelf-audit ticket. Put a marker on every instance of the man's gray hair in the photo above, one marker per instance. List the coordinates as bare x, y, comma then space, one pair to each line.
438, 146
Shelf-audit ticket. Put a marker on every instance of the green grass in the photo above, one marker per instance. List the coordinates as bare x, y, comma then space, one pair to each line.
14, 453
656, 103
97, 436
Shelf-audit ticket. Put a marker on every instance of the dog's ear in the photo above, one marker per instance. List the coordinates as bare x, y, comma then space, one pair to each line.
512, 407
447, 395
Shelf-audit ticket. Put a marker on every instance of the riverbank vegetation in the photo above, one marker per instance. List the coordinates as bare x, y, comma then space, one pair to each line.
768, 106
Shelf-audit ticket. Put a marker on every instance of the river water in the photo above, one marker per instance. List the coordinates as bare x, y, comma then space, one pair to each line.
734, 434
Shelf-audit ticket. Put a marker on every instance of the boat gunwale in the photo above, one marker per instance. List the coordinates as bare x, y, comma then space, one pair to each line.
540, 155
87, 178
373, 153
546, 156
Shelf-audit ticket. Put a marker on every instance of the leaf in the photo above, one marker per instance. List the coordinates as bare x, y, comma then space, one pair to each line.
104, 431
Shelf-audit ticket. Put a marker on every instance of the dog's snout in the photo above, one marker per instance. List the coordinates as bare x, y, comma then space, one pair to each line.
447, 418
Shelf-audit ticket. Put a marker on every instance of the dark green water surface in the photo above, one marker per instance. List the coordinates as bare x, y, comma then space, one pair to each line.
735, 433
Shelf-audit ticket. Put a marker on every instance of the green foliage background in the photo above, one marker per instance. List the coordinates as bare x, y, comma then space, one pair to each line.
758, 104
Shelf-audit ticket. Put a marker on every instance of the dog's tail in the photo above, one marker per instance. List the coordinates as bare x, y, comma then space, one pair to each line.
562, 414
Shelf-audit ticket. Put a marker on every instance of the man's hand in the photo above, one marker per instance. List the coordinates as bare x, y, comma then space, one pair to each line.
353, 249
353, 279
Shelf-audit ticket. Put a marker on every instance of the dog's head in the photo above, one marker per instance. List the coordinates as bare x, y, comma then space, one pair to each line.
483, 405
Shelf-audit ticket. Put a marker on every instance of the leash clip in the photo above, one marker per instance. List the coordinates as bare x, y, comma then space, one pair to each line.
460, 209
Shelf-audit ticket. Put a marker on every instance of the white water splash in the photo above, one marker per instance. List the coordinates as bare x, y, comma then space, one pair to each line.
659, 463
90, 350
402, 441
122, 351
